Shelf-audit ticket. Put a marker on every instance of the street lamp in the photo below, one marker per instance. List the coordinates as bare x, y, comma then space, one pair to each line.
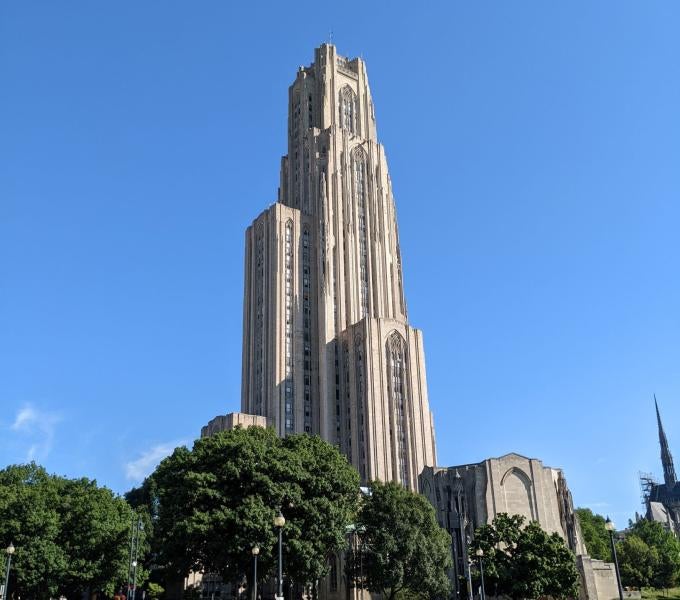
9, 551
480, 556
279, 522
255, 551
133, 594
610, 527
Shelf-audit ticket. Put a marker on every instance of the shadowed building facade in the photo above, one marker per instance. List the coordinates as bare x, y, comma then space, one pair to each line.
327, 346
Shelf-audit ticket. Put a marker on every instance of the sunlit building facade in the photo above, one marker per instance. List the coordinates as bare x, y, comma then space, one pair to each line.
327, 345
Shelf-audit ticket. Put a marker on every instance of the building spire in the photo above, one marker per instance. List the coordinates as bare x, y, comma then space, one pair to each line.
666, 458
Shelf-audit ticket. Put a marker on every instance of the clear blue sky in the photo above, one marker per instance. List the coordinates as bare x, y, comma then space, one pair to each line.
535, 153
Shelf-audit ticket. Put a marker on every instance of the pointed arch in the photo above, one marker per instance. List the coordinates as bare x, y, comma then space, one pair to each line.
396, 361
518, 493
347, 103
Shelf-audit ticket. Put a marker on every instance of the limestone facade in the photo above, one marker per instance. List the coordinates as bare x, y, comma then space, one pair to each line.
468, 496
230, 421
598, 580
327, 346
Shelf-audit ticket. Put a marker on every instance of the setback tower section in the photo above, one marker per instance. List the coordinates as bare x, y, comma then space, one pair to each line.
327, 346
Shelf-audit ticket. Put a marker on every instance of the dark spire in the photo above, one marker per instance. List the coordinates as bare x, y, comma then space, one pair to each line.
666, 458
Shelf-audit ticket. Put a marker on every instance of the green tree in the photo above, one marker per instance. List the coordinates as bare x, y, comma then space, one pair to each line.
637, 562
71, 535
213, 503
404, 552
661, 569
495, 540
154, 590
525, 561
595, 534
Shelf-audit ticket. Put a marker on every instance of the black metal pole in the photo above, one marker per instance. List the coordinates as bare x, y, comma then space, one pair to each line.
361, 569
467, 561
255, 578
616, 565
280, 563
134, 572
5, 595
481, 575
132, 541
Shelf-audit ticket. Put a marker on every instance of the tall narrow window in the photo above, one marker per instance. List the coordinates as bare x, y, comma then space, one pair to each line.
305, 179
348, 412
295, 154
360, 198
400, 280
307, 327
338, 441
259, 320
396, 377
359, 363
348, 104
288, 380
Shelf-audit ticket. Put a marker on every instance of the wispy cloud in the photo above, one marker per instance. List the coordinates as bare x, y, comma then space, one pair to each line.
138, 469
38, 425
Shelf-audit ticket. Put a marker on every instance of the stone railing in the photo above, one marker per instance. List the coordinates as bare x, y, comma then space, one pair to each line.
346, 67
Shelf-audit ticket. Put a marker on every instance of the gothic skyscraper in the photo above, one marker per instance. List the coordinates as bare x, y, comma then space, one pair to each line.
327, 347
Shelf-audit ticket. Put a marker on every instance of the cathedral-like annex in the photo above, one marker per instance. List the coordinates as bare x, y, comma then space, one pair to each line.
663, 499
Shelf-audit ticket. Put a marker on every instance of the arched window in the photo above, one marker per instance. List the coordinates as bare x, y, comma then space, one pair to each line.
396, 379
348, 110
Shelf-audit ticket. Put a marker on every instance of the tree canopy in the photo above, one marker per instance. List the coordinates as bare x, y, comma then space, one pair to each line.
402, 548
649, 556
71, 536
213, 503
524, 561
595, 534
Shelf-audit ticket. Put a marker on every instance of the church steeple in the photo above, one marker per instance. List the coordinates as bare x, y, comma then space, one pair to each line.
666, 458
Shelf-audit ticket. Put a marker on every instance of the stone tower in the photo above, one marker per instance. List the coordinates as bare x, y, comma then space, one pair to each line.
327, 347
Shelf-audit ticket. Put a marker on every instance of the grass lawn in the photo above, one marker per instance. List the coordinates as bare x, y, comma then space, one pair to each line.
652, 594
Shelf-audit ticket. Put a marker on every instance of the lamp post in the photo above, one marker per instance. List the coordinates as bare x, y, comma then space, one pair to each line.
133, 593
480, 556
609, 525
255, 551
9, 551
279, 522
